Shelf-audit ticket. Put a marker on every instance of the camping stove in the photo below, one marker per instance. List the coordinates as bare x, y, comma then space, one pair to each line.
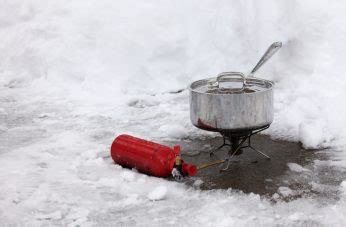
237, 140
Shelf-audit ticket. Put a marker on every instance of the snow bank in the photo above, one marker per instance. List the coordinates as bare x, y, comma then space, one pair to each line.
104, 54
74, 74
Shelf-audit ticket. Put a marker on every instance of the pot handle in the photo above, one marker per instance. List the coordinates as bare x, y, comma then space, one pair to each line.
230, 74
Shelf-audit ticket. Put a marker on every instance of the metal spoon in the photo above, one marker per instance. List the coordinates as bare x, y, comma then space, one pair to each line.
272, 49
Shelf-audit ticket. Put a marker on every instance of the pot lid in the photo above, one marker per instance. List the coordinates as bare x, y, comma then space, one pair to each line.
231, 83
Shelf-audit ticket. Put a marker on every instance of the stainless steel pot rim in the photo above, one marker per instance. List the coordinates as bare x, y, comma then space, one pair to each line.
253, 80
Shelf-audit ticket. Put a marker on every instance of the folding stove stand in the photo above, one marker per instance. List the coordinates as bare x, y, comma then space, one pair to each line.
236, 140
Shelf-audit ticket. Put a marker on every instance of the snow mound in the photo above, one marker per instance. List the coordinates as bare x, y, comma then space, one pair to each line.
311, 135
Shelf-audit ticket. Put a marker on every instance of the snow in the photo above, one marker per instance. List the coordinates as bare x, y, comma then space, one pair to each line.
296, 167
128, 176
311, 135
55, 216
197, 183
173, 130
343, 187
285, 191
158, 193
75, 74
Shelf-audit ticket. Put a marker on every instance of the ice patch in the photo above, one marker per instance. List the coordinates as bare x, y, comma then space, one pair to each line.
159, 193
296, 167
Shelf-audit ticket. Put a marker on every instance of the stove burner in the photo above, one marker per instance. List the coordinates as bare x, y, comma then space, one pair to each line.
236, 141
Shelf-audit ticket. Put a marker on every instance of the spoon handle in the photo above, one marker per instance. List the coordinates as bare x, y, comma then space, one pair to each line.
268, 54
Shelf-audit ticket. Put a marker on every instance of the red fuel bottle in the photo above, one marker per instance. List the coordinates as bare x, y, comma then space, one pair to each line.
149, 157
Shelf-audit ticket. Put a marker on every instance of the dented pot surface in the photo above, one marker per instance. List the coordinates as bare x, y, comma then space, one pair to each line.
234, 103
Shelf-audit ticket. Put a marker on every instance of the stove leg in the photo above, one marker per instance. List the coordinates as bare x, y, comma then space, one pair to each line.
260, 152
230, 156
224, 144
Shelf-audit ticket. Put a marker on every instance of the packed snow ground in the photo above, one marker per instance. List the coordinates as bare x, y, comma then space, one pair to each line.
74, 74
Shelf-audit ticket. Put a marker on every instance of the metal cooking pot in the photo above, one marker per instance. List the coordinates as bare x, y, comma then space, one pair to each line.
233, 102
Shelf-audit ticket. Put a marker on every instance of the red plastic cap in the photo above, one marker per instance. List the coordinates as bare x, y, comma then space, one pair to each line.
176, 149
191, 170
